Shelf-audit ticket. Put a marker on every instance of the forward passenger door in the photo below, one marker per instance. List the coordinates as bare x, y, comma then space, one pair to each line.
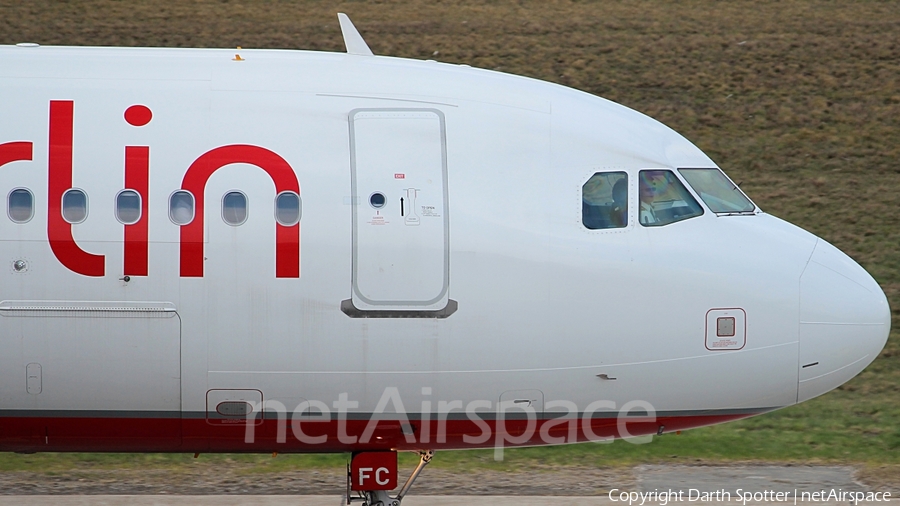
401, 239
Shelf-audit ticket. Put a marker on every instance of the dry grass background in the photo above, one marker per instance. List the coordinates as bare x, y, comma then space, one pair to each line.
798, 100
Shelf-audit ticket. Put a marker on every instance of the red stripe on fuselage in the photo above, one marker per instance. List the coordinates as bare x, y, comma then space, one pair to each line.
92, 434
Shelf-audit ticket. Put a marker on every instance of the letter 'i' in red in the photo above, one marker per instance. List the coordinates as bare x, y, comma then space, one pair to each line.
137, 178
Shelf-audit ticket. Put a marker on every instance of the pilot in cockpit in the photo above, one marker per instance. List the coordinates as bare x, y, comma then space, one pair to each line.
604, 201
652, 184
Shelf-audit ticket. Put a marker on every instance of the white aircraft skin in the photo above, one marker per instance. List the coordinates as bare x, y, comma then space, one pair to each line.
493, 296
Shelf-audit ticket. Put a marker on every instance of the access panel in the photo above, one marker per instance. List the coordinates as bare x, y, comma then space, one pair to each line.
401, 241
97, 359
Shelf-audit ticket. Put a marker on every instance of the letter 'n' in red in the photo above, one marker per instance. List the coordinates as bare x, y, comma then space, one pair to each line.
59, 232
287, 238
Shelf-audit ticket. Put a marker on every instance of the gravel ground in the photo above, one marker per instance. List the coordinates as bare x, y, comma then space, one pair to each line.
570, 481
566, 481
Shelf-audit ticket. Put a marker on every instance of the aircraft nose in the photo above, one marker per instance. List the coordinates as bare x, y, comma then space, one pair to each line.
844, 321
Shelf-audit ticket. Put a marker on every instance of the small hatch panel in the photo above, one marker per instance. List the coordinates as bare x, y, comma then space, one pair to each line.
726, 329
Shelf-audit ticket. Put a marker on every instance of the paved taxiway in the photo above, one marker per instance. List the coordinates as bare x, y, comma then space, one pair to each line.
327, 500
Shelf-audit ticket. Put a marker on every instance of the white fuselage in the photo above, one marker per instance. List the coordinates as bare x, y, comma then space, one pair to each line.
485, 286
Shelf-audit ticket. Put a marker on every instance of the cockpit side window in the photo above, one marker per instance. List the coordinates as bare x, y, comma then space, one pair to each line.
663, 199
719, 193
604, 201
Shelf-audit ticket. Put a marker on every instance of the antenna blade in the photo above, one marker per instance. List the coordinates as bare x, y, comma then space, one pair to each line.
352, 39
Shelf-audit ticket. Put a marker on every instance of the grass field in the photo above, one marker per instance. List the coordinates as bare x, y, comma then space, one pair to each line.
799, 101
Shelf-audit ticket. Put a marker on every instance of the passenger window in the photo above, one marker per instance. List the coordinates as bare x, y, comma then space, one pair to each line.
287, 208
604, 201
663, 199
74, 206
719, 193
20, 205
234, 208
181, 207
128, 207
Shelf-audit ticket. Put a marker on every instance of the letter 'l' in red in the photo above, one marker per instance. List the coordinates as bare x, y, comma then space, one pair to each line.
59, 232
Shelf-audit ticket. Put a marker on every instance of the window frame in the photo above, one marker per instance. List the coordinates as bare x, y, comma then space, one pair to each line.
754, 211
299, 208
193, 207
140, 206
629, 180
9, 207
246, 208
685, 186
62, 205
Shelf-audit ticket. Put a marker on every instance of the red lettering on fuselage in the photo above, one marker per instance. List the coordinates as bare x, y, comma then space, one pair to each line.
59, 231
137, 176
287, 239
15, 152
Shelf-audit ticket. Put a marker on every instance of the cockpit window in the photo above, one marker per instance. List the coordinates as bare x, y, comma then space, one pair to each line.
717, 191
664, 200
604, 201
